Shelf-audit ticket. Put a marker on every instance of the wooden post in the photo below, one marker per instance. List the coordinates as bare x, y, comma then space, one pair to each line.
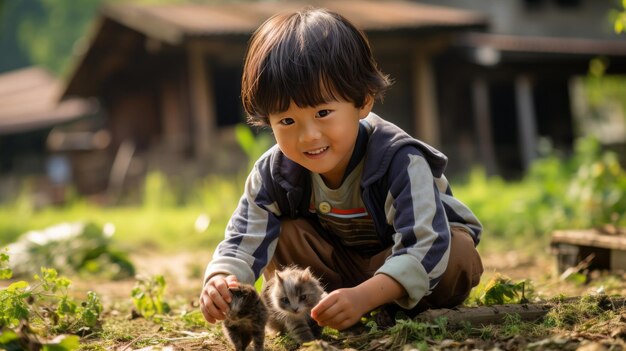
174, 123
482, 120
202, 102
424, 99
526, 119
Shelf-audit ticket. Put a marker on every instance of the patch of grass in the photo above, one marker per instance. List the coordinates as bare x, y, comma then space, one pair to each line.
158, 223
567, 314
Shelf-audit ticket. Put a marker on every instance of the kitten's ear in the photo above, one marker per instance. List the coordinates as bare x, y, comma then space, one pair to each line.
307, 275
278, 277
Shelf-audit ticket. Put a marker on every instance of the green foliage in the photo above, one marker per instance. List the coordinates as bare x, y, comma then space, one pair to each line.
148, 297
5, 271
512, 324
619, 18
70, 248
50, 34
407, 331
500, 290
605, 102
158, 193
586, 190
597, 192
404, 331
253, 146
45, 308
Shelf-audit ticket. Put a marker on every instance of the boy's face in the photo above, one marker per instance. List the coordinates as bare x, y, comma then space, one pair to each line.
320, 138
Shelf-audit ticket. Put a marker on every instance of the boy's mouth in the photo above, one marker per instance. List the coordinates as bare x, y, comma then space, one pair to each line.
316, 151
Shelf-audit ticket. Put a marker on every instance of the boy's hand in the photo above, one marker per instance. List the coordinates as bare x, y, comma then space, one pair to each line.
340, 309
215, 297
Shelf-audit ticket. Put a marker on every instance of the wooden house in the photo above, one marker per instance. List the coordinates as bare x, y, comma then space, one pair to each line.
168, 77
29, 112
502, 91
482, 81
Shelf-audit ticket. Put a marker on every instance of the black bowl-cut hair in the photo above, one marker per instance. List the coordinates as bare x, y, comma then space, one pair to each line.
309, 57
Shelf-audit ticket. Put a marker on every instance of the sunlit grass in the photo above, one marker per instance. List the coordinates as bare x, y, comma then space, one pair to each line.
157, 223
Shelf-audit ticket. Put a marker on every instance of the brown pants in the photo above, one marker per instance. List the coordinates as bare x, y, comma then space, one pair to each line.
338, 266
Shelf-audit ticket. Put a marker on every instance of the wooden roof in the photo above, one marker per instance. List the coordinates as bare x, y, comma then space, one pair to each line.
29, 100
122, 29
174, 23
546, 45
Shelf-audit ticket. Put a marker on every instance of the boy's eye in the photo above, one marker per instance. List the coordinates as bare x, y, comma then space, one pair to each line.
286, 121
323, 113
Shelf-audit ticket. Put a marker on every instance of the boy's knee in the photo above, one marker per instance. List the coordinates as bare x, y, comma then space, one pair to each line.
462, 274
464, 256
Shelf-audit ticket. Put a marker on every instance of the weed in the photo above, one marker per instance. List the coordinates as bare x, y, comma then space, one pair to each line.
512, 325
487, 332
148, 296
30, 311
253, 146
500, 290
193, 319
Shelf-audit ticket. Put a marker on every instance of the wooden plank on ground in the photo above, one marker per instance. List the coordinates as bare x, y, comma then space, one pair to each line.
496, 314
590, 237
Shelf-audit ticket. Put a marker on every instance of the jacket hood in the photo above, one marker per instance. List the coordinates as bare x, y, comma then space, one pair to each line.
388, 138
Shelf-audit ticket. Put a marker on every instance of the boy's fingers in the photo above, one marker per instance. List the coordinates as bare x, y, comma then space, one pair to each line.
208, 309
232, 281
221, 288
214, 313
220, 299
214, 306
329, 315
207, 316
320, 309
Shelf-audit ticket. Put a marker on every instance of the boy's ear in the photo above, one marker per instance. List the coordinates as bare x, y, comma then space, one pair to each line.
368, 104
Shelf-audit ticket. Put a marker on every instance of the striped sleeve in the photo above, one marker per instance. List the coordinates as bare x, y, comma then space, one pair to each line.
459, 215
422, 234
251, 234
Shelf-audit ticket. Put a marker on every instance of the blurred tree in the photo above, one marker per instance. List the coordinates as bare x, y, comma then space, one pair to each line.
49, 35
619, 18
13, 56
48, 32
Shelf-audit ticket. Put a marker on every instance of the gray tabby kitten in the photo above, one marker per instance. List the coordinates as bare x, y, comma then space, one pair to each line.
246, 318
289, 296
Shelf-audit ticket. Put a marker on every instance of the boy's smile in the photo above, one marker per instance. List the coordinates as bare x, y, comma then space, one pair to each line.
320, 138
314, 153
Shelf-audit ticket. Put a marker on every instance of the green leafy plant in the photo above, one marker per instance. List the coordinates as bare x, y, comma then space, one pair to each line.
253, 146
597, 192
28, 312
148, 296
501, 290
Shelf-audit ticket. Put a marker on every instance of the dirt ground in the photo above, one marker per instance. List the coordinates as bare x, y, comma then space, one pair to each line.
183, 273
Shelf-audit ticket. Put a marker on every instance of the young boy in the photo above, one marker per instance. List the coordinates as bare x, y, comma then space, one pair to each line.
344, 192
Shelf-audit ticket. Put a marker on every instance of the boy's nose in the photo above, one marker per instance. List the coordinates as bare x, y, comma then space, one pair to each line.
309, 132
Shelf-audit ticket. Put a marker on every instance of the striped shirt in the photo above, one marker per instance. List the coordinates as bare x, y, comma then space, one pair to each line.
341, 212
